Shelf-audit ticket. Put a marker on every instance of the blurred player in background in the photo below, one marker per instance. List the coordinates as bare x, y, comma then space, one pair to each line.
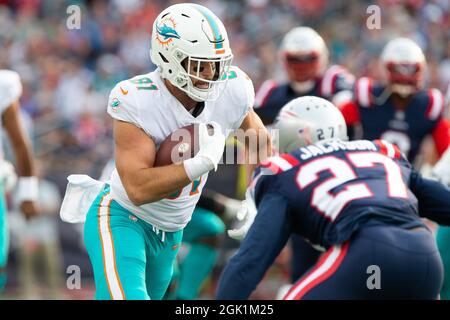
203, 236
305, 59
359, 200
27, 188
134, 227
402, 111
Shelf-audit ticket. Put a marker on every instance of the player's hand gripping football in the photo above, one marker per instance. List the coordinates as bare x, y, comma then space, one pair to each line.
210, 151
211, 146
247, 214
441, 170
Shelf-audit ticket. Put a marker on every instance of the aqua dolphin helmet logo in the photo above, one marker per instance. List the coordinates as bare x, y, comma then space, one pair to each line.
165, 31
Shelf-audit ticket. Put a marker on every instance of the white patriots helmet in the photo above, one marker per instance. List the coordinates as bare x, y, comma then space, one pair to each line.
305, 57
191, 33
307, 120
404, 65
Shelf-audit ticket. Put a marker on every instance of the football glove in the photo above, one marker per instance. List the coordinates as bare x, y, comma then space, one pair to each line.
442, 168
210, 152
247, 213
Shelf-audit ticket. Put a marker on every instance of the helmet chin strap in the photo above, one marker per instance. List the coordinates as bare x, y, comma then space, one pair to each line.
200, 95
190, 90
302, 87
195, 97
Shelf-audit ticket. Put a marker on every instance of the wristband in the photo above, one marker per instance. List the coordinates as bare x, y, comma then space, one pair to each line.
197, 166
27, 189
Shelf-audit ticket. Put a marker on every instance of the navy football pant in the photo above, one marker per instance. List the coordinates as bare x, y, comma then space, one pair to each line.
379, 262
304, 256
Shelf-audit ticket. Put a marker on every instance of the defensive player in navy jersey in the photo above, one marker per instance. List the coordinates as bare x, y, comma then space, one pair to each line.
403, 112
306, 61
400, 110
359, 201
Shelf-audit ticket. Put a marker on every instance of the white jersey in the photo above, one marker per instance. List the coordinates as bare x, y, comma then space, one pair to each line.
10, 91
146, 102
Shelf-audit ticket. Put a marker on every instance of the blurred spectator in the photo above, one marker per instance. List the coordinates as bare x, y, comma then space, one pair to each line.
36, 242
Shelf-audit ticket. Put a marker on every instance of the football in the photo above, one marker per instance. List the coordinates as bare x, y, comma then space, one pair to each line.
180, 145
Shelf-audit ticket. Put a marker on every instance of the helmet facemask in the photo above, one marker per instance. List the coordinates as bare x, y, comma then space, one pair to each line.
404, 78
303, 69
192, 70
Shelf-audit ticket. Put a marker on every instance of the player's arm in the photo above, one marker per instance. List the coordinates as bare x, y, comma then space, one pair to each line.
135, 155
263, 108
434, 198
344, 101
257, 133
348, 107
264, 241
441, 136
218, 203
28, 184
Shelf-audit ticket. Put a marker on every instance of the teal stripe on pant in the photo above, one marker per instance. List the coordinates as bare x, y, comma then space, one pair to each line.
443, 242
4, 238
131, 259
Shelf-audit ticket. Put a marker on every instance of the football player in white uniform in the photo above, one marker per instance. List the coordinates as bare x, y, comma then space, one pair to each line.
27, 189
134, 227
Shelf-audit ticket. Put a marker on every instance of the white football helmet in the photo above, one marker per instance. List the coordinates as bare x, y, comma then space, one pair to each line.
307, 120
305, 57
188, 33
404, 65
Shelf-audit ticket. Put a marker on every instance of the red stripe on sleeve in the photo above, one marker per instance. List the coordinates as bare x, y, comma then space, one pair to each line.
291, 159
441, 136
350, 112
381, 146
271, 166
